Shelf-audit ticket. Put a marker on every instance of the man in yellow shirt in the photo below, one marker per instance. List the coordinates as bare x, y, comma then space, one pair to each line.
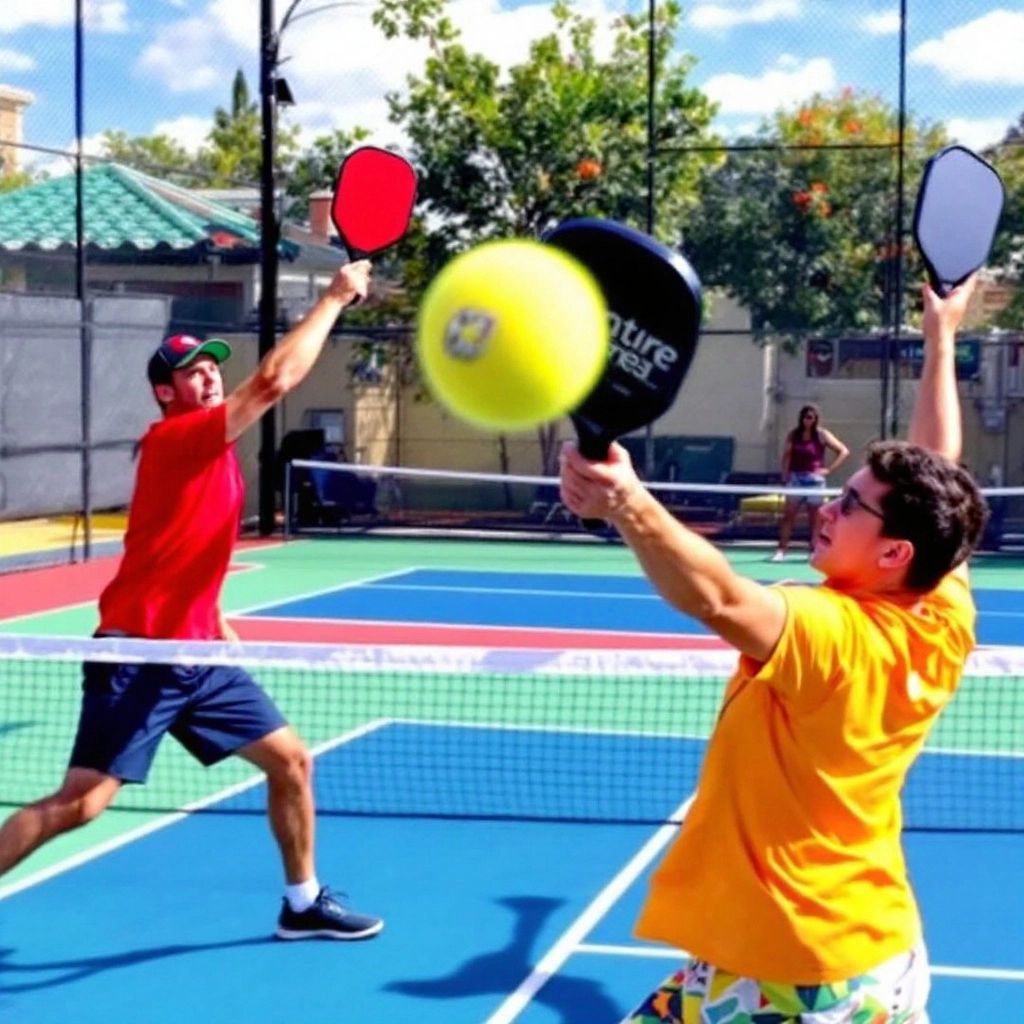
787, 885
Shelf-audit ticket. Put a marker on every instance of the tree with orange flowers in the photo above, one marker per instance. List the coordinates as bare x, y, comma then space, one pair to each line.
800, 228
1008, 252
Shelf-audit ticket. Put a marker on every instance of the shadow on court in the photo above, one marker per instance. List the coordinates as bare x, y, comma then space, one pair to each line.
87, 967
503, 970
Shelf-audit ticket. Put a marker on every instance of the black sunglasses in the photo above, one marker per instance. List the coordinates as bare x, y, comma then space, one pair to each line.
850, 500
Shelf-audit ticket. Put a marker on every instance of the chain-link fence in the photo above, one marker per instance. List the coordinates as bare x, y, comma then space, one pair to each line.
779, 145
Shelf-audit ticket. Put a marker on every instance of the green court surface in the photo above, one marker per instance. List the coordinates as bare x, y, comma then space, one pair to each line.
327, 705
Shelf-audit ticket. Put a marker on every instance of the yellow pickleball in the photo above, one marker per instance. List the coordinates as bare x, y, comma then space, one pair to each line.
512, 334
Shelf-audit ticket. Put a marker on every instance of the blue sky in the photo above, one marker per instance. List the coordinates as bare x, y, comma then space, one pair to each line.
163, 65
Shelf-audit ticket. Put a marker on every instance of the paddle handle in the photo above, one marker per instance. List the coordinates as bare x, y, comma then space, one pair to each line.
941, 288
595, 448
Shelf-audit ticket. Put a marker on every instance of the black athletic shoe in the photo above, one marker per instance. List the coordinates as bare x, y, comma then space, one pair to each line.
327, 918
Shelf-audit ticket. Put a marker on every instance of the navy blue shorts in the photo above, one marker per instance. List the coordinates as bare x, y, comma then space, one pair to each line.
211, 710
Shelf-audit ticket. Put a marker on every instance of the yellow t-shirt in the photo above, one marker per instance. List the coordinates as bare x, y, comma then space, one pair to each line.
789, 866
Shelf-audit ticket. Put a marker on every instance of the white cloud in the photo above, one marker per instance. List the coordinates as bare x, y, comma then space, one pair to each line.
987, 49
342, 66
789, 81
44, 13
100, 15
106, 15
238, 22
881, 23
56, 166
182, 57
188, 130
719, 18
977, 134
13, 60
339, 65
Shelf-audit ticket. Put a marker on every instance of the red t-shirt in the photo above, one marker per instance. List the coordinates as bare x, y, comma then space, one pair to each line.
182, 526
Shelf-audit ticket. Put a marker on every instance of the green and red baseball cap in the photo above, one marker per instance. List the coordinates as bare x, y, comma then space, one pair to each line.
179, 350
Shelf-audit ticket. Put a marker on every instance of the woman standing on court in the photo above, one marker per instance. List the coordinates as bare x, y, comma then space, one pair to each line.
803, 465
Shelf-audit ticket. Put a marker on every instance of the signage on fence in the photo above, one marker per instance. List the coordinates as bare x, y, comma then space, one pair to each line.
861, 358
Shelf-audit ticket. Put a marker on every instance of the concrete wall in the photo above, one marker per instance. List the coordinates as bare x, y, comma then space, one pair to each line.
41, 399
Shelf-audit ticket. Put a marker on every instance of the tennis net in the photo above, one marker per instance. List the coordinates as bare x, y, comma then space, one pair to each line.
336, 497
572, 735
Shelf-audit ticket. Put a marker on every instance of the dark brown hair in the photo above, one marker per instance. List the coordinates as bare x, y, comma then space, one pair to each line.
798, 430
933, 503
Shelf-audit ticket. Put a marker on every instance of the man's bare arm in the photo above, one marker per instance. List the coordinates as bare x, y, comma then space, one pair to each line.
293, 357
688, 572
936, 422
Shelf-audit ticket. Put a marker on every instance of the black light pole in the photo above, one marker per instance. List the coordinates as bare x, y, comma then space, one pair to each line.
85, 328
652, 70
269, 233
899, 230
273, 90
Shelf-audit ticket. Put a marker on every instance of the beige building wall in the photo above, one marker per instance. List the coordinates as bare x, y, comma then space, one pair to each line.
723, 395
734, 388
12, 106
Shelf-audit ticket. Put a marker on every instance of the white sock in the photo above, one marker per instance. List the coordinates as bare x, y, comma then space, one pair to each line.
302, 895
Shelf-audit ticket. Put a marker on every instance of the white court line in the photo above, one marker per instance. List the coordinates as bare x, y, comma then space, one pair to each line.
306, 595
983, 973
49, 611
569, 730
99, 850
240, 567
570, 939
517, 591
666, 953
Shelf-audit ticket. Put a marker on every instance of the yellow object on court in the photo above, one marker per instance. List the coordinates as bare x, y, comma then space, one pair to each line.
763, 504
512, 335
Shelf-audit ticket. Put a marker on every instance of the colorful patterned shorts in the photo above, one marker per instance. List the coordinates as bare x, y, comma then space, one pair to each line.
894, 993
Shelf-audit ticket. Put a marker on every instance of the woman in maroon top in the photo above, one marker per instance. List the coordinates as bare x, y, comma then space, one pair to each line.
803, 465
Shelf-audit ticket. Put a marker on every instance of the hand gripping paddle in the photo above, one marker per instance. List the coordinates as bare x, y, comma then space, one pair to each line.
956, 215
373, 200
654, 307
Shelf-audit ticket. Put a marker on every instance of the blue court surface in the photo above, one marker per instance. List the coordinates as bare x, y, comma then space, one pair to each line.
556, 600
489, 921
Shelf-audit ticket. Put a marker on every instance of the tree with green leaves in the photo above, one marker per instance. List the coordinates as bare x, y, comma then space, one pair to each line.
157, 154
231, 154
563, 134
511, 153
316, 168
1008, 251
799, 222
11, 181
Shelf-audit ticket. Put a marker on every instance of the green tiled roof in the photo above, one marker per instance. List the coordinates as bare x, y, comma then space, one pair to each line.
124, 208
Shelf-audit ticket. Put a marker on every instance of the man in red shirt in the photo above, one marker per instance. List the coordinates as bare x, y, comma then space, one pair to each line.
182, 526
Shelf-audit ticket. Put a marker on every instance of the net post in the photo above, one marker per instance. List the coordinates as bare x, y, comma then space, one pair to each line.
288, 500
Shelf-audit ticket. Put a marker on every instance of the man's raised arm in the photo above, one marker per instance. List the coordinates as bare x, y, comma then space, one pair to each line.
936, 423
687, 571
293, 357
